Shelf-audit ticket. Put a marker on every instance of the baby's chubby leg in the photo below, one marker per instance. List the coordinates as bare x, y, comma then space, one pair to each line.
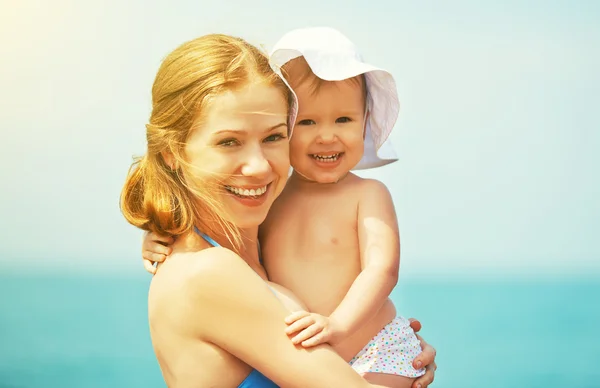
387, 360
389, 381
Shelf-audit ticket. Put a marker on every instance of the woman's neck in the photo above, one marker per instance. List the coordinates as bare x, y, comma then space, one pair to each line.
248, 250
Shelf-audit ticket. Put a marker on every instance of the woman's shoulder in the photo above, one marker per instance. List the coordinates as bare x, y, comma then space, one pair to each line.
186, 269
185, 276
189, 293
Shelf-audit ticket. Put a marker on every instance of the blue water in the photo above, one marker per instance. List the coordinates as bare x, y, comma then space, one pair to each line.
85, 331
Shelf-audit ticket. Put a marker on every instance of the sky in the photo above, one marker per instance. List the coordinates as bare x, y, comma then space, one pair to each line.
498, 134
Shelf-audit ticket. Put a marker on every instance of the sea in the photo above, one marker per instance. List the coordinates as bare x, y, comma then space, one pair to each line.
88, 330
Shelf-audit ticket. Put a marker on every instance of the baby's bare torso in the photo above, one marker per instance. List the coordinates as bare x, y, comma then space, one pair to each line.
310, 246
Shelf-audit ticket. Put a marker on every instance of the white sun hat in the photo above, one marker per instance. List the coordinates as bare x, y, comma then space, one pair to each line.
333, 57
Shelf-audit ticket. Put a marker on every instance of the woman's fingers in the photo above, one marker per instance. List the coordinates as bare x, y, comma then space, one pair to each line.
427, 378
415, 324
426, 357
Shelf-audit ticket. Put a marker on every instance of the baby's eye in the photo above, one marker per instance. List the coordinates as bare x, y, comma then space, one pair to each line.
275, 137
228, 142
344, 119
306, 122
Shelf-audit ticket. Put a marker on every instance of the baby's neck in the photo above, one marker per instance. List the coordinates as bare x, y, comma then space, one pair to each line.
301, 182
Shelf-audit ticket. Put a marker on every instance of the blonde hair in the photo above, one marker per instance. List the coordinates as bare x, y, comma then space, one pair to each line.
157, 197
298, 71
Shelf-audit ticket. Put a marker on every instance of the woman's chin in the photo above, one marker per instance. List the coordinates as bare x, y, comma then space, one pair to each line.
244, 217
249, 221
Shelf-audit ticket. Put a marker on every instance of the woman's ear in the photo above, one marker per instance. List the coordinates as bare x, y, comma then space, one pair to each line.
169, 160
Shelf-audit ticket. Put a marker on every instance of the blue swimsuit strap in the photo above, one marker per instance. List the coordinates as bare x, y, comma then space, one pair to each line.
215, 244
206, 237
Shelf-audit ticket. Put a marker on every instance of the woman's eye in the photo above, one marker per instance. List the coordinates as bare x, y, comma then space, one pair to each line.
275, 137
228, 142
343, 120
306, 122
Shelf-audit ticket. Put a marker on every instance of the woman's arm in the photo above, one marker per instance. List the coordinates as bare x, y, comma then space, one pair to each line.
155, 250
235, 310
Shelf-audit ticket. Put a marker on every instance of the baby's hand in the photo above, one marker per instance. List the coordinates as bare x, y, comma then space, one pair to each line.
313, 329
155, 249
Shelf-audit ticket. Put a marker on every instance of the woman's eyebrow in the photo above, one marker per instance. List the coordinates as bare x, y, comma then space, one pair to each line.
243, 131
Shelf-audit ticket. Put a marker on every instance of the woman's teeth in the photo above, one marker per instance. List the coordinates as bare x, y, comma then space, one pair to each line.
245, 192
326, 159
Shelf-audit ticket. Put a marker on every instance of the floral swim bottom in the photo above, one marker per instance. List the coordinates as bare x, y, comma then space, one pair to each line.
391, 351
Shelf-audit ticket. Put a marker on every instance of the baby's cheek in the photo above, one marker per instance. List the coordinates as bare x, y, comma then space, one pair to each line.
297, 146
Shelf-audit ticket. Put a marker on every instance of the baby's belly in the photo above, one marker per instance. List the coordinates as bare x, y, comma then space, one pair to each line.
320, 286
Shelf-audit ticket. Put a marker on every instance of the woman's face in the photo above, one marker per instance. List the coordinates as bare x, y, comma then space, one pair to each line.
240, 145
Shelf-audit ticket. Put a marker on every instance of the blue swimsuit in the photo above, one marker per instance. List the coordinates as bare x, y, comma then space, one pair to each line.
255, 379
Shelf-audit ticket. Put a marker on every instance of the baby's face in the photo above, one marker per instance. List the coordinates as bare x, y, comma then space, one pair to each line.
328, 138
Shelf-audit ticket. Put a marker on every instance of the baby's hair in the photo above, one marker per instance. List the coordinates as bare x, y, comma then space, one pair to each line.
298, 71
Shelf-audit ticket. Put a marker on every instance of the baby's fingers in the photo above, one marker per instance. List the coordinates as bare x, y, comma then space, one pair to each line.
300, 324
296, 315
149, 267
153, 257
158, 238
157, 247
315, 340
164, 240
307, 333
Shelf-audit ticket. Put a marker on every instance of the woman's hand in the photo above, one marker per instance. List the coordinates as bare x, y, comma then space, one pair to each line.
424, 360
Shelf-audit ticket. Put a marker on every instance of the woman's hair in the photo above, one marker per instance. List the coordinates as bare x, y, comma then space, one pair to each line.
157, 197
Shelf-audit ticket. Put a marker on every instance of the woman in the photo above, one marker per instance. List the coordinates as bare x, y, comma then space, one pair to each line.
218, 132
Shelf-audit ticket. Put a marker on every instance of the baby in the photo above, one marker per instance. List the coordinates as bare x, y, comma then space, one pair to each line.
332, 237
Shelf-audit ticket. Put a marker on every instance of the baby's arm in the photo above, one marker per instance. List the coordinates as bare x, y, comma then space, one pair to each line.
379, 243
